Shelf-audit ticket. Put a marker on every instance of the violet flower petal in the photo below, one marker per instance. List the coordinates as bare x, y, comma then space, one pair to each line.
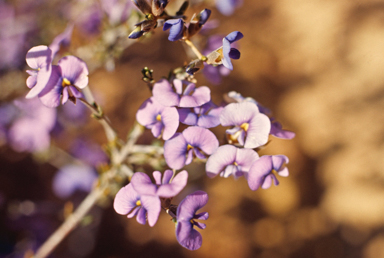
125, 200
75, 70
163, 93
142, 184
201, 138
175, 151
168, 190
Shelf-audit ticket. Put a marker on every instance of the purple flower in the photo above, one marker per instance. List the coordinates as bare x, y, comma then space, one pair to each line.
186, 235
167, 187
160, 119
261, 173
61, 39
67, 78
88, 152
73, 177
251, 127
117, 11
175, 27
227, 7
30, 131
228, 52
229, 160
207, 115
38, 58
277, 131
164, 93
129, 202
224, 54
193, 141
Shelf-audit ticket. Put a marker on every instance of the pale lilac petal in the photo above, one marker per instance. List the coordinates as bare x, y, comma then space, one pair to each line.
267, 182
178, 84
277, 131
75, 70
148, 111
189, 89
43, 76
65, 95
229, 170
187, 236
190, 204
153, 206
258, 131
39, 57
141, 216
170, 119
61, 39
186, 116
201, 138
199, 224
134, 212
32, 79
203, 216
175, 151
238, 113
234, 36
142, 184
189, 157
198, 153
125, 200
51, 94
164, 94
200, 96
172, 189
245, 158
258, 171
157, 176
222, 157
168, 174
156, 129
77, 94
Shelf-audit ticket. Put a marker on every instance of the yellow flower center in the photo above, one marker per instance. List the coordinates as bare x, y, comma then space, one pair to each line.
65, 82
244, 126
138, 203
189, 147
235, 163
158, 117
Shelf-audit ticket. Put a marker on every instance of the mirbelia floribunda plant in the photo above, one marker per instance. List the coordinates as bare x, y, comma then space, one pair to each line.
180, 113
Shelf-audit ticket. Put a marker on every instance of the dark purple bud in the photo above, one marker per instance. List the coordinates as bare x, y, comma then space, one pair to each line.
137, 33
176, 27
204, 16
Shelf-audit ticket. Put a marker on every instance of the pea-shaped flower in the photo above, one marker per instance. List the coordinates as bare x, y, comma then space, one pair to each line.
261, 173
251, 128
176, 29
160, 119
129, 202
186, 235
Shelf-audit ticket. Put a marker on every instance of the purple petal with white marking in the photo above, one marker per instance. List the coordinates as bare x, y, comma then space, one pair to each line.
125, 200
258, 131
222, 157
201, 138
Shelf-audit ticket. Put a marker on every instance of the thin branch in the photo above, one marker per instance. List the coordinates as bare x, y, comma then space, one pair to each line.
194, 49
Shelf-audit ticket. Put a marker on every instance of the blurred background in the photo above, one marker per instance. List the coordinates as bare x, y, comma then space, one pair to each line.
316, 64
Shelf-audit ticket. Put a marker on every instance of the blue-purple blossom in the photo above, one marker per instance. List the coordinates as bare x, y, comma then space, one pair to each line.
175, 27
160, 119
251, 128
117, 11
229, 160
186, 235
207, 115
227, 7
169, 96
165, 186
204, 16
224, 54
193, 141
261, 173
38, 58
129, 202
229, 52
73, 177
66, 80
89, 152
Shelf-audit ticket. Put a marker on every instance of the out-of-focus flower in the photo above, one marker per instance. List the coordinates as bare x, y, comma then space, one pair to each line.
164, 93
71, 178
62, 39
89, 152
117, 10
237, 97
229, 160
227, 7
30, 130
67, 78
261, 173
163, 187
129, 202
251, 127
160, 119
186, 235
207, 115
224, 54
193, 141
